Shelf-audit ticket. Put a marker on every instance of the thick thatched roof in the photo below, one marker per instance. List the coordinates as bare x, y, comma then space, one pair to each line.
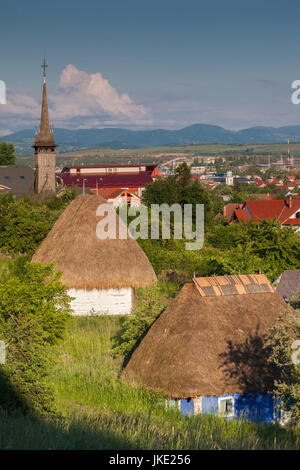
209, 340
88, 262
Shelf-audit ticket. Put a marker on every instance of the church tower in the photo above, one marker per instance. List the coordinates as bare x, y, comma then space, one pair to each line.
44, 148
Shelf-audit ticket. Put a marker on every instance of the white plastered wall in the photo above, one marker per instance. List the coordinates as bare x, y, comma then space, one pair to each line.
101, 302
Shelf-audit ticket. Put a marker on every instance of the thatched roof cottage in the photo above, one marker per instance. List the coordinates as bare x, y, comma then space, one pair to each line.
204, 352
101, 274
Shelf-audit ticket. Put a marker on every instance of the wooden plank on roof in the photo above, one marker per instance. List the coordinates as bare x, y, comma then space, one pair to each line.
241, 289
232, 285
245, 279
223, 281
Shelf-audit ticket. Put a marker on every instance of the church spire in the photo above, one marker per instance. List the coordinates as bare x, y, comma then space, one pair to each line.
45, 138
44, 149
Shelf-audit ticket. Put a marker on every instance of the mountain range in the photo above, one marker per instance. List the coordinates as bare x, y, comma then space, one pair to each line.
117, 138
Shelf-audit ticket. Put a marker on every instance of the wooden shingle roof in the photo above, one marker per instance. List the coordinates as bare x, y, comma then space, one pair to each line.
232, 285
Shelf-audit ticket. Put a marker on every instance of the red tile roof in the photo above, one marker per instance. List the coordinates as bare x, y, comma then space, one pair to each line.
270, 209
241, 215
107, 192
292, 222
229, 209
119, 191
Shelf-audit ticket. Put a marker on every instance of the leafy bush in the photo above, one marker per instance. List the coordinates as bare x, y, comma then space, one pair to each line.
7, 154
134, 327
24, 224
181, 189
280, 340
230, 249
34, 311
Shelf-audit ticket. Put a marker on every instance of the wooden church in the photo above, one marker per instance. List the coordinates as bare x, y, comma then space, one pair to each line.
44, 148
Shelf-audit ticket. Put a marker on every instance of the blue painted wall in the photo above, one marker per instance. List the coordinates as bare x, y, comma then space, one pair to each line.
258, 407
187, 407
255, 407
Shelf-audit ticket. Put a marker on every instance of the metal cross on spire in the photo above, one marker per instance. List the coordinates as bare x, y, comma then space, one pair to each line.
44, 66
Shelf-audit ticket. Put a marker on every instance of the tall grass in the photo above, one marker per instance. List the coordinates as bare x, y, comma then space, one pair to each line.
88, 374
90, 428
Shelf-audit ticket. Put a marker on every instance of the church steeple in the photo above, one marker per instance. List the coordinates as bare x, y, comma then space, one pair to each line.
44, 138
44, 146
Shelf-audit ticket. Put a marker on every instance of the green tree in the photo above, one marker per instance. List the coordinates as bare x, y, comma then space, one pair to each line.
134, 327
283, 341
183, 176
7, 154
34, 312
181, 189
164, 190
24, 224
278, 248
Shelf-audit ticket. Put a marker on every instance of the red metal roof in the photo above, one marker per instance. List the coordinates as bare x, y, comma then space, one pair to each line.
134, 180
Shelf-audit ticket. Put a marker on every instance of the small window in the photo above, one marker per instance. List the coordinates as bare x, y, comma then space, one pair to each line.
298, 215
226, 406
172, 404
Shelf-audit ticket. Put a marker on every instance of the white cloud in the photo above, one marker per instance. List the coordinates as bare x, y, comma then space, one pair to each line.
20, 112
81, 94
81, 100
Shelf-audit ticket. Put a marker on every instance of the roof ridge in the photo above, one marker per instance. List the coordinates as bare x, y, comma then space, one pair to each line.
232, 284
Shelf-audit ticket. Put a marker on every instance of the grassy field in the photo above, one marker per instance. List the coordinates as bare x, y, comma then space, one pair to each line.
98, 155
196, 149
98, 411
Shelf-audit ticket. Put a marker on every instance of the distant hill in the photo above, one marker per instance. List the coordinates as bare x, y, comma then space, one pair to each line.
69, 140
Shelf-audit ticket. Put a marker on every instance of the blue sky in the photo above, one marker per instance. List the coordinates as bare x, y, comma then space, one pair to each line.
150, 63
